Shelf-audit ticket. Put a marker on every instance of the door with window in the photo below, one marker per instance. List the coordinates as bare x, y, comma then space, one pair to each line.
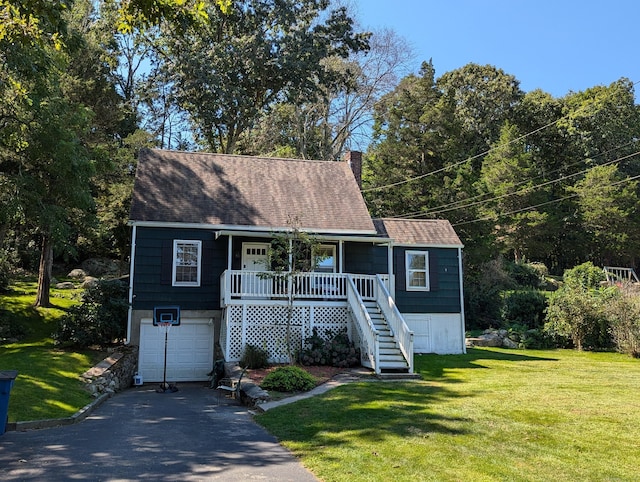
255, 258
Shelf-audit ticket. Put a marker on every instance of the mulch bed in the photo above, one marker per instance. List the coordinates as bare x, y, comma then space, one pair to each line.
322, 373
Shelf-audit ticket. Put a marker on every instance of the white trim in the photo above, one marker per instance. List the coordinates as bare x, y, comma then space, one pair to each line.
409, 253
357, 237
131, 296
246, 230
409, 245
331, 247
461, 287
198, 244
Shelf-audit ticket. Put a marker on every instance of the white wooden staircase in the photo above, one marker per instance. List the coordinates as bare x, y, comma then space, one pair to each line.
391, 357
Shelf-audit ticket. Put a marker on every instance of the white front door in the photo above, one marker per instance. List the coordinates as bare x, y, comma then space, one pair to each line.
255, 258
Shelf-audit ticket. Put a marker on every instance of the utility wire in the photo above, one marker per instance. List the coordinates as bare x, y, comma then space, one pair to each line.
461, 203
529, 208
522, 191
524, 136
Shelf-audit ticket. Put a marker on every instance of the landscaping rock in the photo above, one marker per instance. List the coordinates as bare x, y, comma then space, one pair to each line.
77, 273
509, 343
66, 285
89, 282
101, 267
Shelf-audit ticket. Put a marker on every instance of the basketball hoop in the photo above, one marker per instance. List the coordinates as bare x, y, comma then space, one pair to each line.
164, 386
165, 325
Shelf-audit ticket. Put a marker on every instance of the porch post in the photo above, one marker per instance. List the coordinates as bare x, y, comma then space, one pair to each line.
341, 256
229, 252
392, 278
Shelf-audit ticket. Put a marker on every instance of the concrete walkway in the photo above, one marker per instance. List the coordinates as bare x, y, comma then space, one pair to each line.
336, 381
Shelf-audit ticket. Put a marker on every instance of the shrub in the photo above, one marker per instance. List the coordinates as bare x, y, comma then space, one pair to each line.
289, 379
10, 328
585, 276
523, 307
624, 316
254, 358
580, 315
527, 274
530, 338
100, 319
483, 285
335, 349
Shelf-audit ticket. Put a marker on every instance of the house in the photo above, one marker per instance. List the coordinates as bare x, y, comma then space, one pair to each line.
202, 228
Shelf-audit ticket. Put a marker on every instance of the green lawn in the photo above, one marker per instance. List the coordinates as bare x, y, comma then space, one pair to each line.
48, 384
491, 414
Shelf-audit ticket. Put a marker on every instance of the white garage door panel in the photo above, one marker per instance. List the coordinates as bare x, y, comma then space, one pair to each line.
189, 351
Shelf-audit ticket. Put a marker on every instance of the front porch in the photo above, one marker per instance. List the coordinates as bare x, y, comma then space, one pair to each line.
256, 305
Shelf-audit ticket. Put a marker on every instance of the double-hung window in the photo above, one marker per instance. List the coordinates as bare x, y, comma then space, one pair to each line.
417, 270
187, 261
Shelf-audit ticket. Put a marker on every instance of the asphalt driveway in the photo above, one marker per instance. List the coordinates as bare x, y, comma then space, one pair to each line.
142, 435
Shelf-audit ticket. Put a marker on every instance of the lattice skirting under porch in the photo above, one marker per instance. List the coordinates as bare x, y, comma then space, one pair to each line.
266, 327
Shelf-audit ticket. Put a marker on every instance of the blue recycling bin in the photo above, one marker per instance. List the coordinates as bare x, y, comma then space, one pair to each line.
6, 382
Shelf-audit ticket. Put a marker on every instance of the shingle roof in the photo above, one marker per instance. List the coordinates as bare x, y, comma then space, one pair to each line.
218, 189
425, 232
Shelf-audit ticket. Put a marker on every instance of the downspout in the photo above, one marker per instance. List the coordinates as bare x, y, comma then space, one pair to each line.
130, 311
462, 321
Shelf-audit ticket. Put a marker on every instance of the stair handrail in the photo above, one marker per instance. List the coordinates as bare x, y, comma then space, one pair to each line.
401, 332
367, 330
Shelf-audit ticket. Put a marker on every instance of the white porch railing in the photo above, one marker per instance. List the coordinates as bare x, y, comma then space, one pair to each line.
403, 335
369, 336
241, 284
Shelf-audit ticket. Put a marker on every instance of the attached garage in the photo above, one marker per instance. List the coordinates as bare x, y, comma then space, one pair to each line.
189, 351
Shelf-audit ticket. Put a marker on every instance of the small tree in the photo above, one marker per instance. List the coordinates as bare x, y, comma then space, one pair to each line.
291, 253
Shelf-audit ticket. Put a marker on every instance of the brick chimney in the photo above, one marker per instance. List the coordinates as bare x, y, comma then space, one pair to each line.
354, 159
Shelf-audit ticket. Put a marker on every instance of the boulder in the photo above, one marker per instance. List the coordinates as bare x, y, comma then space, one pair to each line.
489, 339
66, 285
77, 273
101, 267
89, 282
509, 343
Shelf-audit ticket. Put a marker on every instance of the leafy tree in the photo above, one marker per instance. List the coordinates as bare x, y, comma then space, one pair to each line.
484, 97
227, 72
508, 177
340, 114
608, 213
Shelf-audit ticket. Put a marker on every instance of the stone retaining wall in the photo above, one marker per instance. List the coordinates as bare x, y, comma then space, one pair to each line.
114, 373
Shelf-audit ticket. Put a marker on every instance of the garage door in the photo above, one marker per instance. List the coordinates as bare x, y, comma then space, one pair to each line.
189, 351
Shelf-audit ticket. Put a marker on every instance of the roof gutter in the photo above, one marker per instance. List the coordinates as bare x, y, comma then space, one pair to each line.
321, 236
234, 229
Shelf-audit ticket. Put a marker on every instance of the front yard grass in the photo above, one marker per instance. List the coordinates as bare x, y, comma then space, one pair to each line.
491, 414
48, 384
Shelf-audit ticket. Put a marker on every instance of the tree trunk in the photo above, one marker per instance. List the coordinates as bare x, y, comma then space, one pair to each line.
44, 272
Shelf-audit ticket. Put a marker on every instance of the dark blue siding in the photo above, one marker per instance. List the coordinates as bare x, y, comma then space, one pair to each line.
152, 278
444, 296
365, 258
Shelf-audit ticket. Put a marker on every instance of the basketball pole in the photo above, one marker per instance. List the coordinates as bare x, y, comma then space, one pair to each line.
164, 374
164, 386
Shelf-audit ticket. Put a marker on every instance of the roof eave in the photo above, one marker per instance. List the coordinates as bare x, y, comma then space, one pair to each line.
235, 229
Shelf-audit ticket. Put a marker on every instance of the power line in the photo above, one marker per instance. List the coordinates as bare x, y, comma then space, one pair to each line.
529, 208
452, 207
524, 136
460, 203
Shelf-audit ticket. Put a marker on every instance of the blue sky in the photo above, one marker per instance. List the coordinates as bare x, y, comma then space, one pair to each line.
558, 46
